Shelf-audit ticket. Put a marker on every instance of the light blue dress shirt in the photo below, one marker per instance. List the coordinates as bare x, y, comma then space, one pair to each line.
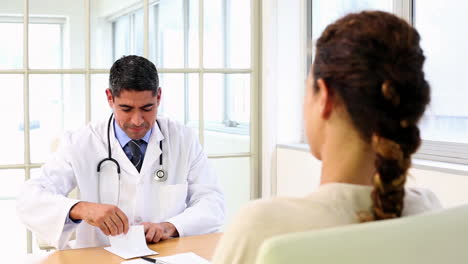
124, 139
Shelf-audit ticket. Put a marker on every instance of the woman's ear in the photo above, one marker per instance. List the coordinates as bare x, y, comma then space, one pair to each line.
326, 97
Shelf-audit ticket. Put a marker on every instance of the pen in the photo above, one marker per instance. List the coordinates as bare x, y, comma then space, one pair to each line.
156, 261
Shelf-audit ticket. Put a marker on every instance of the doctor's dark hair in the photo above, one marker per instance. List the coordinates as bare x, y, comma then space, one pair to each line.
373, 62
133, 73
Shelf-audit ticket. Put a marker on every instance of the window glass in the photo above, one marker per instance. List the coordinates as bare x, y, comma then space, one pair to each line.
11, 53
110, 36
57, 104
174, 33
100, 109
179, 97
60, 29
227, 113
325, 12
226, 37
446, 119
49, 54
121, 35
12, 113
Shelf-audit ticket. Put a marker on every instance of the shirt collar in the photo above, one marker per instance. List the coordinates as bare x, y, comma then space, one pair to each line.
124, 139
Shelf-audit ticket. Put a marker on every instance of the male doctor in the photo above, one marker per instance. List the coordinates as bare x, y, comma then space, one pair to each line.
165, 182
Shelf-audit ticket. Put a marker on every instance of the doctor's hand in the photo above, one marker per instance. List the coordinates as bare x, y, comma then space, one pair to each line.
155, 232
109, 218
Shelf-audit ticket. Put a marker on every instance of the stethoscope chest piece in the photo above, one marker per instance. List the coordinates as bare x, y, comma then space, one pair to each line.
160, 176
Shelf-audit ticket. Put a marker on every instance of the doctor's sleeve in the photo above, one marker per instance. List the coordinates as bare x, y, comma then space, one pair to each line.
42, 205
205, 210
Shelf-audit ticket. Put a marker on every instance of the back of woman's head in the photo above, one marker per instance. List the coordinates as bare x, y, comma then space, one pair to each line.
373, 62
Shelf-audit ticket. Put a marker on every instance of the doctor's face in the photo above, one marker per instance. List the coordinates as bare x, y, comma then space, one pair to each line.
135, 111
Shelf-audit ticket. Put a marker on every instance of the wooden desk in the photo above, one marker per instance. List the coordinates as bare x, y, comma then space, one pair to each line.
203, 245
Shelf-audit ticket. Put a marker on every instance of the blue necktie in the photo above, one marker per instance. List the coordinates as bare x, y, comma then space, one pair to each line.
135, 150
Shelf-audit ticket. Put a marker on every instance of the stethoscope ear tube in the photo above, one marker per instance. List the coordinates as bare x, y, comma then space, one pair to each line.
111, 160
109, 153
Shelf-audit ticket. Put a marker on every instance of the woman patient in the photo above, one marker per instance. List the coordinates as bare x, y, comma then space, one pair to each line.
365, 95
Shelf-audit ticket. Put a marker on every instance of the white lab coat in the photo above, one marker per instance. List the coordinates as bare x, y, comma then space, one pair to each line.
190, 198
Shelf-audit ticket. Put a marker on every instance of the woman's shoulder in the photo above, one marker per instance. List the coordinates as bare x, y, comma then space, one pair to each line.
420, 200
283, 214
263, 219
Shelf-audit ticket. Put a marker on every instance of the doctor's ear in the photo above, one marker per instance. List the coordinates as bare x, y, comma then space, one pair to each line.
158, 94
110, 97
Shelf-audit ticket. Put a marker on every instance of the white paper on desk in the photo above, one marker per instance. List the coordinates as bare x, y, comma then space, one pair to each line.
130, 245
183, 258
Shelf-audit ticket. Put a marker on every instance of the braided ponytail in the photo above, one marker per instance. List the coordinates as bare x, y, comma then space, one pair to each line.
373, 62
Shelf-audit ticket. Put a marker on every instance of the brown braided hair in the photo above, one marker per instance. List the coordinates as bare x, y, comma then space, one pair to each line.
373, 62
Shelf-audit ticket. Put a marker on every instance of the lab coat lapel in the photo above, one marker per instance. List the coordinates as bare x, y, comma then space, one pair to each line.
151, 160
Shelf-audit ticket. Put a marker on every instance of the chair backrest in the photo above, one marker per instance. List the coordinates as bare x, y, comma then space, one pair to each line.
438, 237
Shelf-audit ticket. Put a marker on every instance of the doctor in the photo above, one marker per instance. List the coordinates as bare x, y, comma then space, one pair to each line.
164, 183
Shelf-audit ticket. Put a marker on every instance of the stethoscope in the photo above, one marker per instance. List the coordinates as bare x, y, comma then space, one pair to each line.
160, 175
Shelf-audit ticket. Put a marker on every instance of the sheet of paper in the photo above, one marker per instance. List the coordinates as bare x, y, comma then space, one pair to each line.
130, 245
183, 258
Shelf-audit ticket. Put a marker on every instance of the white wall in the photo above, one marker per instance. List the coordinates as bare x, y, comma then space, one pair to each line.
450, 188
283, 75
299, 174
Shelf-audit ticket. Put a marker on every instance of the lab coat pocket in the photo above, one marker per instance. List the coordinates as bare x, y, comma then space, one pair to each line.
172, 200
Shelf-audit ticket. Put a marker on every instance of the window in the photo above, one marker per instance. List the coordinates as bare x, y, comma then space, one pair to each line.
127, 34
172, 44
320, 13
444, 127
59, 83
47, 95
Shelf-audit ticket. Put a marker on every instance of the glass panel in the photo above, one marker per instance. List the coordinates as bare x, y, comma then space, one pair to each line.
234, 175
45, 46
227, 33
11, 25
179, 99
174, 33
213, 34
139, 32
121, 33
11, 182
13, 238
11, 113
56, 34
227, 113
57, 104
445, 48
337, 8
11, 51
107, 38
100, 109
